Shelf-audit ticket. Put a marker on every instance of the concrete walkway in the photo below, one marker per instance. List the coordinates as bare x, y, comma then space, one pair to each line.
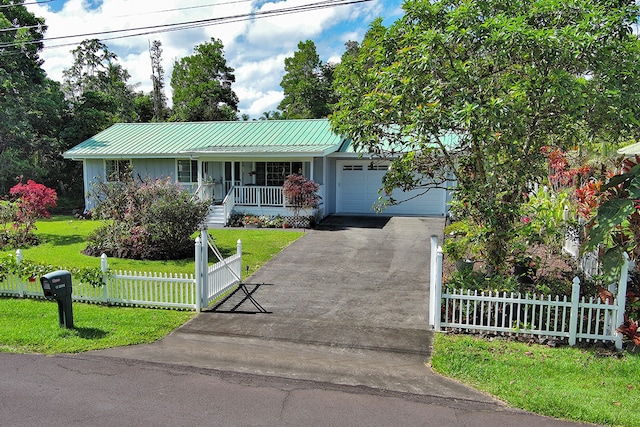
346, 304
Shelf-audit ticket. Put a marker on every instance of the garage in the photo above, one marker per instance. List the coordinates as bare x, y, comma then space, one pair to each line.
357, 190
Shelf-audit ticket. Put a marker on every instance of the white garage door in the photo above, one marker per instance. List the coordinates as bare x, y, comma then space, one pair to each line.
358, 185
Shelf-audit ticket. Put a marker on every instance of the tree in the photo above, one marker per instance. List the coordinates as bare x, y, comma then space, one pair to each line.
505, 78
306, 84
95, 69
32, 107
270, 115
157, 78
202, 85
300, 193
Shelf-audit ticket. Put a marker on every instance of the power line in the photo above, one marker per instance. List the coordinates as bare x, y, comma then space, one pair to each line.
153, 29
2, 6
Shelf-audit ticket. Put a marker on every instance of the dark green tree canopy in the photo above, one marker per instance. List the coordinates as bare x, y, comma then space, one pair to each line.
307, 85
31, 106
507, 77
202, 85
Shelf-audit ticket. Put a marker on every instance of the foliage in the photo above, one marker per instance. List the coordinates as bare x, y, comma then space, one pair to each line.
201, 85
630, 331
300, 193
506, 79
460, 242
586, 385
477, 281
616, 224
95, 69
30, 270
306, 85
32, 201
542, 219
147, 219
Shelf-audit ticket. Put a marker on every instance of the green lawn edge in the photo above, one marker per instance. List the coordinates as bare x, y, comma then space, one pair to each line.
578, 384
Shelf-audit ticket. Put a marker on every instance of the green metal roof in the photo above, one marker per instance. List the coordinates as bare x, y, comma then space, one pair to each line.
449, 140
310, 137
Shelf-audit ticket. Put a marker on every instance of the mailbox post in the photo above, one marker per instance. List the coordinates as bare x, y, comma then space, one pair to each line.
57, 286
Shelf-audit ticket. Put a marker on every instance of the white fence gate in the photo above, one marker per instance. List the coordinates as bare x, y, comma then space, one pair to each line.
147, 289
578, 319
219, 278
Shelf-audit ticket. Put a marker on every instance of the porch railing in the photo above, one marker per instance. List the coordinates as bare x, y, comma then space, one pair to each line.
254, 195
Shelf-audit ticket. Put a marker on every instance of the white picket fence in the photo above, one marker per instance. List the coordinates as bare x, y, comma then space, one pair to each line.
576, 319
147, 289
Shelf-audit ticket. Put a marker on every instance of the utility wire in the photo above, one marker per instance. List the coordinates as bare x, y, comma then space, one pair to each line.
153, 29
2, 6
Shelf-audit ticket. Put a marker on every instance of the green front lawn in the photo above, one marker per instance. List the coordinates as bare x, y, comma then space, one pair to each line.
64, 237
32, 326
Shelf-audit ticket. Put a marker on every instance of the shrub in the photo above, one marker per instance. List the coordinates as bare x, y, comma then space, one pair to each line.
32, 201
148, 219
300, 193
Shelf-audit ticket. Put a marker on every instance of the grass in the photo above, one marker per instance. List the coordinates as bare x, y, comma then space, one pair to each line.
570, 383
64, 237
31, 326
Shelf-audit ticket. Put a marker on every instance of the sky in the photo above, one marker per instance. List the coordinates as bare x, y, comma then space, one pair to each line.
256, 48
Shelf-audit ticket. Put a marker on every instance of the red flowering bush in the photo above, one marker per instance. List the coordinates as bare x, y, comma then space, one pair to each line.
32, 201
300, 193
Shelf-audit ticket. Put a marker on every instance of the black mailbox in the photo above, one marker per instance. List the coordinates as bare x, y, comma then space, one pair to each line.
57, 286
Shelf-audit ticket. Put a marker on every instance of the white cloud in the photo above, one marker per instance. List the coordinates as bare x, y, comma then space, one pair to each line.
255, 48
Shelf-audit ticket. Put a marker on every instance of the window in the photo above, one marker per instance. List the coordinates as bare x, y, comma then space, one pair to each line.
377, 167
187, 171
352, 167
115, 170
275, 173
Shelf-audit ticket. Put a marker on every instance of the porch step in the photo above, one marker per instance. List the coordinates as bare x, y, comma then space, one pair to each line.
216, 216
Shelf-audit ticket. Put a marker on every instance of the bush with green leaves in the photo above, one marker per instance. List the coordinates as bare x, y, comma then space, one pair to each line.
145, 219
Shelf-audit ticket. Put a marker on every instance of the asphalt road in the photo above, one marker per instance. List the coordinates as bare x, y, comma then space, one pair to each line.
89, 390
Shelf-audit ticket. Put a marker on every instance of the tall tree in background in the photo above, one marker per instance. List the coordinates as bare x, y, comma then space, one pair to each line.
202, 85
96, 89
157, 78
31, 106
307, 85
507, 77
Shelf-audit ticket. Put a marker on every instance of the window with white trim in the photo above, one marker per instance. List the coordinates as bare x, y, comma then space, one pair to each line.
114, 170
275, 173
187, 170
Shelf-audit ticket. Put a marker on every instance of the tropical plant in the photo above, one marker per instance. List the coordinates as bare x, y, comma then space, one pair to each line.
300, 193
616, 223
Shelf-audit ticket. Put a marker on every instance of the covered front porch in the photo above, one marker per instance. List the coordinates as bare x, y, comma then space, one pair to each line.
244, 186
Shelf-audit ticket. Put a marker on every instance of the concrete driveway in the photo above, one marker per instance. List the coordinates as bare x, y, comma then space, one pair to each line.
346, 304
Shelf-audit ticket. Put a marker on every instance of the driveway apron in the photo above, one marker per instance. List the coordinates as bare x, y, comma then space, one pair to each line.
347, 304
